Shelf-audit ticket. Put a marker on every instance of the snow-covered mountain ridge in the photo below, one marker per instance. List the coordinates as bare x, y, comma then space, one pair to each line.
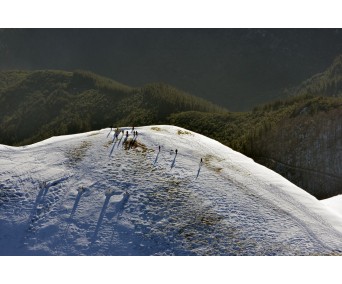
91, 194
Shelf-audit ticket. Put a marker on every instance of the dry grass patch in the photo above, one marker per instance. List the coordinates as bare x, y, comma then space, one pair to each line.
136, 145
208, 161
183, 132
156, 128
76, 154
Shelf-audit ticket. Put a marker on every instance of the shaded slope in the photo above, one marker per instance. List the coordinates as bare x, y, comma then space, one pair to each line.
37, 105
307, 149
236, 68
299, 138
327, 83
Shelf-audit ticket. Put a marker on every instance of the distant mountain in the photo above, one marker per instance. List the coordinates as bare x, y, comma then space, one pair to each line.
90, 194
40, 104
327, 83
235, 68
305, 146
298, 137
306, 143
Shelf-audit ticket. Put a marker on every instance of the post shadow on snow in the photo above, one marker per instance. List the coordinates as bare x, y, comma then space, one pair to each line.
111, 151
155, 161
44, 187
120, 141
114, 136
109, 133
199, 169
103, 211
81, 190
174, 161
77, 200
42, 192
118, 212
45, 191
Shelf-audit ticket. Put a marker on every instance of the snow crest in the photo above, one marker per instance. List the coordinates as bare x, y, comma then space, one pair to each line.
94, 194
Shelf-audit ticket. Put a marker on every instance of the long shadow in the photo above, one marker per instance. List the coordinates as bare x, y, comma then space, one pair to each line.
46, 187
108, 133
132, 143
42, 192
174, 161
99, 222
72, 214
111, 151
124, 141
199, 169
118, 212
120, 141
77, 200
155, 161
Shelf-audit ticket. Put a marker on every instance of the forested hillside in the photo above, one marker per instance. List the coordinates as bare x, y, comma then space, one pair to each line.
327, 83
38, 105
235, 68
298, 137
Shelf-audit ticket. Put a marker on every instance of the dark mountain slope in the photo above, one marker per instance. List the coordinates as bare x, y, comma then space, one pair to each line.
37, 105
235, 68
327, 83
299, 137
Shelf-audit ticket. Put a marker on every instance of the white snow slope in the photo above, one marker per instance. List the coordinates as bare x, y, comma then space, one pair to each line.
334, 203
86, 194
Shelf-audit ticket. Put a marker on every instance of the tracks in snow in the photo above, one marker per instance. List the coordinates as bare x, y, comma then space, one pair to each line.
144, 203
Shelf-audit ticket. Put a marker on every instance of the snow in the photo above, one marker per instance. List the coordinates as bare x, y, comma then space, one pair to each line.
334, 203
87, 194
